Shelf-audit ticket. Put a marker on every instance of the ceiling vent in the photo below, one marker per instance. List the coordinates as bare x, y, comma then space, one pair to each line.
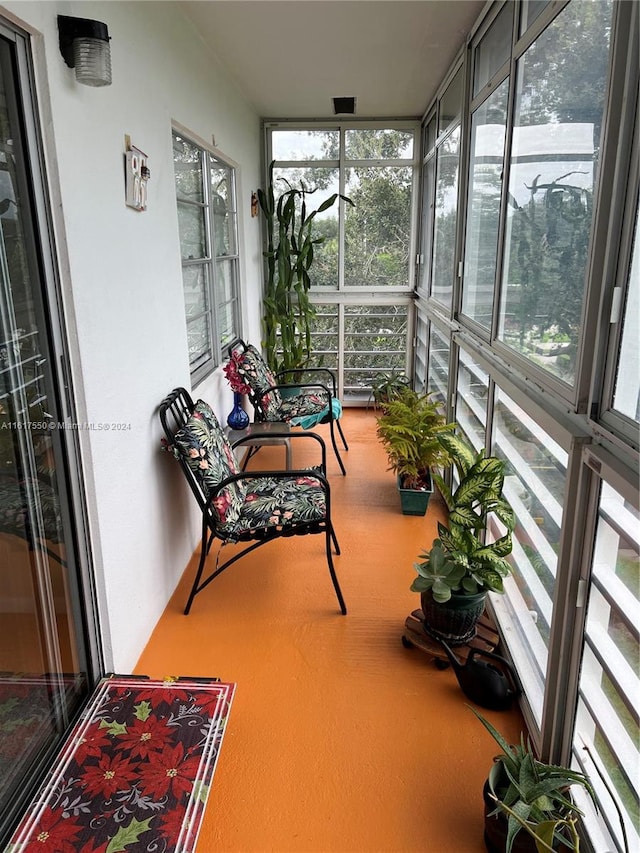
344, 106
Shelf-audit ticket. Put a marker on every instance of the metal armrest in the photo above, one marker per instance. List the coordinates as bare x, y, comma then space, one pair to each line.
247, 439
325, 370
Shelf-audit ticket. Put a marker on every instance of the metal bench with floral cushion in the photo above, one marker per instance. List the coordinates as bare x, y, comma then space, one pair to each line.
243, 506
304, 402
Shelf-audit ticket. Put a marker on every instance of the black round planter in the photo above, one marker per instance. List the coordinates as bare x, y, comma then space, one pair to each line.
455, 620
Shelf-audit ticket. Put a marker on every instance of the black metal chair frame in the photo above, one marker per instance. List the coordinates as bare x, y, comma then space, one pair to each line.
255, 396
174, 411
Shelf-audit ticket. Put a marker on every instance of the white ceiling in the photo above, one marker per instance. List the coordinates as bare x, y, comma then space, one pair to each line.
291, 57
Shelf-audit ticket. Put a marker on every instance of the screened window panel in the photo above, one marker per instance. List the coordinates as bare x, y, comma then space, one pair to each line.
430, 135
446, 209
451, 103
606, 730
534, 486
305, 144
426, 225
531, 10
488, 128
494, 49
438, 375
377, 247
378, 144
627, 388
321, 183
554, 162
471, 399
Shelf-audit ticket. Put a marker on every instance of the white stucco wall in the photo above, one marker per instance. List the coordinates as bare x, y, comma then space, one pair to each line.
122, 286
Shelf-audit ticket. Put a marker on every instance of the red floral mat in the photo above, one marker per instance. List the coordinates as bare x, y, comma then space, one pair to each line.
135, 772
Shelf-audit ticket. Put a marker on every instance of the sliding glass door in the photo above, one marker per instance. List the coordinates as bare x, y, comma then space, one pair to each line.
44, 660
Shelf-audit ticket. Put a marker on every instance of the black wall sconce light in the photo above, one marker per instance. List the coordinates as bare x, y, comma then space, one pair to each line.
84, 44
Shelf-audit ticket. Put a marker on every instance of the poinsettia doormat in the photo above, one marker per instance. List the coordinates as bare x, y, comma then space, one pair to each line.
135, 772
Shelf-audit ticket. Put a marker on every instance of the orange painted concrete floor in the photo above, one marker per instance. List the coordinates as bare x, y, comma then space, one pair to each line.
339, 738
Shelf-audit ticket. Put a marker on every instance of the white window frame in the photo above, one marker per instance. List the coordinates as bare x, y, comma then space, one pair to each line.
207, 362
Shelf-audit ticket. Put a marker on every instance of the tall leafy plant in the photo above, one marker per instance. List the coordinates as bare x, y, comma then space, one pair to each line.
460, 561
288, 311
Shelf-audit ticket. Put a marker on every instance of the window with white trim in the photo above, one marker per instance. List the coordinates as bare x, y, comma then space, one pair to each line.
208, 227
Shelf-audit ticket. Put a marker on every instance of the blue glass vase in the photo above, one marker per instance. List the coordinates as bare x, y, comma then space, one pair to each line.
237, 418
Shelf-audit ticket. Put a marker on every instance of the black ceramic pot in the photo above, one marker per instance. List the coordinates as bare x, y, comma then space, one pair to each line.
454, 621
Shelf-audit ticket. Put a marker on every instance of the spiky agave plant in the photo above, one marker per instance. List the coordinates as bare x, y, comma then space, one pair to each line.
533, 795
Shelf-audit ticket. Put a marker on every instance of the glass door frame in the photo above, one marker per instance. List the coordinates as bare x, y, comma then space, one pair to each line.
38, 212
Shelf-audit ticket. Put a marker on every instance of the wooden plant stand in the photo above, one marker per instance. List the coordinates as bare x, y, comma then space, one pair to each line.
486, 639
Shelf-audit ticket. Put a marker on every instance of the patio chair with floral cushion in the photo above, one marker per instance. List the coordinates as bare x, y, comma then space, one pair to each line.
302, 404
243, 506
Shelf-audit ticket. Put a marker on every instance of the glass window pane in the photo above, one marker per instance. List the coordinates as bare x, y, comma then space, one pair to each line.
187, 164
438, 377
446, 210
429, 135
534, 486
531, 10
471, 399
194, 282
192, 231
222, 208
199, 341
426, 226
554, 160
208, 229
627, 390
451, 103
226, 323
383, 144
375, 339
226, 295
319, 184
483, 207
494, 49
606, 726
377, 237
305, 144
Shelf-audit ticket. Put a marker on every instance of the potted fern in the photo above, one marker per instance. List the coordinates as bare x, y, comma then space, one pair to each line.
456, 574
409, 427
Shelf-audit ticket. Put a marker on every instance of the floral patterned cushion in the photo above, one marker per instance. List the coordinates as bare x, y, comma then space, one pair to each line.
306, 402
208, 453
254, 370
270, 502
248, 507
